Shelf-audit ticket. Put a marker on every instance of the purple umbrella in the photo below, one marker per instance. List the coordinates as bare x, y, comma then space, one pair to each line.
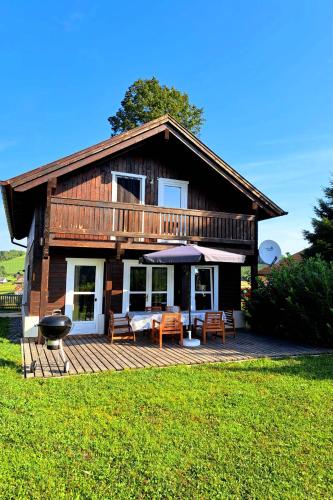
191, 254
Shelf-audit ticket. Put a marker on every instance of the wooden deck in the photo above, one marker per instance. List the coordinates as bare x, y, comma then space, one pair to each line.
94, 354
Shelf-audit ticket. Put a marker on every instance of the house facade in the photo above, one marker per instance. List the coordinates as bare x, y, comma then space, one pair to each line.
89, 217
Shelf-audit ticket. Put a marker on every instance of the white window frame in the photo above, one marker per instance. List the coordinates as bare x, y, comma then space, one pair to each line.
214, 288
163, 181
128, 263
116, 174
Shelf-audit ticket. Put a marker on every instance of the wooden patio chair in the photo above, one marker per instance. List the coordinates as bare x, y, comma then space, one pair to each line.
170, 324
229, 322
153, 308
120, 328
213, 323
172, 309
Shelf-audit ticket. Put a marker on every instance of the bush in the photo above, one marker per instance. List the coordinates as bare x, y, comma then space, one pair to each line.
295, 302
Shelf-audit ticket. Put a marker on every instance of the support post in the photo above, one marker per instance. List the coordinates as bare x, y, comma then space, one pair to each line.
44, 286
108, 292
254, 259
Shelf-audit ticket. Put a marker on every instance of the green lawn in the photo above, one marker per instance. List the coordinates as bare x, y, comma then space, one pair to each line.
260, 429
7, 287
13, 266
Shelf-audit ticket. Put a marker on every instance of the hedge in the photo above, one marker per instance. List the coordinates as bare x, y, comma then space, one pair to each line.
296, 301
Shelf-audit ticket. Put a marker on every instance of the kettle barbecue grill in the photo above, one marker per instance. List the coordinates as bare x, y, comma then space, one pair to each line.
54, 329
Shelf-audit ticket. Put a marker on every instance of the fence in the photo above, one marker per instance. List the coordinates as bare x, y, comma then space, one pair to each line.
10, 302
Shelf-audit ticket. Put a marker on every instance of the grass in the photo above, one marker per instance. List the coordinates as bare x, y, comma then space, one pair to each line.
259, 429
7, 287
13, 266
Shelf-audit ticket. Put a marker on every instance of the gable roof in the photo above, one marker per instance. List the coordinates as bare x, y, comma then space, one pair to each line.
26, 181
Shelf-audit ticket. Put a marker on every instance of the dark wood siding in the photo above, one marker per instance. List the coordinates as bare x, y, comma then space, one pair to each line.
57, 283
230, 286
116, 272
35, 265
207, 189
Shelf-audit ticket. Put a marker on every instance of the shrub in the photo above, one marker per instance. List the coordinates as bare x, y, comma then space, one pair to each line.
296, 301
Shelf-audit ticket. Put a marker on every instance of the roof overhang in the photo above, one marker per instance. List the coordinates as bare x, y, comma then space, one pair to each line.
115, 145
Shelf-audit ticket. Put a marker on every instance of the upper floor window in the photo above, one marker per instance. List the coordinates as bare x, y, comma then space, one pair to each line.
128, 188
172, 193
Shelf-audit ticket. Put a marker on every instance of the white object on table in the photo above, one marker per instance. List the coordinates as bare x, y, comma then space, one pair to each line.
144, 320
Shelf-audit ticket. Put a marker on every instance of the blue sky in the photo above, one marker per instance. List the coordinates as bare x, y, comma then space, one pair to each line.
262, 70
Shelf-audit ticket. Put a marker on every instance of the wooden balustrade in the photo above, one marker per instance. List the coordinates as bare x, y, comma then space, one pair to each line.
95, 220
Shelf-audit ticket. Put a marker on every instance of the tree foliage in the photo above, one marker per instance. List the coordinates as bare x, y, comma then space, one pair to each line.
146, 100
10, 254
321, 238
295, 301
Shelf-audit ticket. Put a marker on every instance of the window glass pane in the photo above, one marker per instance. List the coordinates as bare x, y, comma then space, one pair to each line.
159, 299
84, 278
159, 279
137, 301
203, 280
172, 196
83, 307
128, 189
203, 301
138, 279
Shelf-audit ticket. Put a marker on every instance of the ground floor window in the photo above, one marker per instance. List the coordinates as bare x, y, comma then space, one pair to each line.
146, 286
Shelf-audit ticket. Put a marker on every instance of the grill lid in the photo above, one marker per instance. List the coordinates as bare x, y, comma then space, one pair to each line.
55, 320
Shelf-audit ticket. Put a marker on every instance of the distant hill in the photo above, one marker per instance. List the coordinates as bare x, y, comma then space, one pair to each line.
12, 266
11, 262
10, 254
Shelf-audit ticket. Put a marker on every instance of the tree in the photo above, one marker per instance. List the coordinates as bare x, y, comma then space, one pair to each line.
321, 238
145, 100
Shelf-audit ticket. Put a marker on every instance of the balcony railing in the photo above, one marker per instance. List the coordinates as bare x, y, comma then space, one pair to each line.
96, 220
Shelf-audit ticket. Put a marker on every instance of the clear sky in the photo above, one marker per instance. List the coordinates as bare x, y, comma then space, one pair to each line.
262, 71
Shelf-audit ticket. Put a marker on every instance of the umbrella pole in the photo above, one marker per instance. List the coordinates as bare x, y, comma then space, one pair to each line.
189, 297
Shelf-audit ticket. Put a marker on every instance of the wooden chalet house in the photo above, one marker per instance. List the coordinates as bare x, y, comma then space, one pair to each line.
90, 216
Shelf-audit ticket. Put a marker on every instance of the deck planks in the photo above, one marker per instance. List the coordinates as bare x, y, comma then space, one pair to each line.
95, 354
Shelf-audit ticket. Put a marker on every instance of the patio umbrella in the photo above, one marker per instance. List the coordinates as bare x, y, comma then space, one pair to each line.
191, 254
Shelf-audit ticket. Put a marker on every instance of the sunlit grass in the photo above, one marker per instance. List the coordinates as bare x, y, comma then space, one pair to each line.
259, 429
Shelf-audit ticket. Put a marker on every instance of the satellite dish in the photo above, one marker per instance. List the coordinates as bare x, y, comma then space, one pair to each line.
269, 252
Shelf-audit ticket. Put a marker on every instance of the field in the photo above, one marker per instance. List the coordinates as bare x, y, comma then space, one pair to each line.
11, 266
7, 287
259, 429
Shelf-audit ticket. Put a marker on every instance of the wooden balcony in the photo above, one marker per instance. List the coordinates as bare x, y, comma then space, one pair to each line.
86, 220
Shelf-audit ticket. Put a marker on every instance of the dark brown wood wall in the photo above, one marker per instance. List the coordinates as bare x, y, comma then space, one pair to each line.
207, 189
35, 263
115, 273
230, 286
57, 283
113, 278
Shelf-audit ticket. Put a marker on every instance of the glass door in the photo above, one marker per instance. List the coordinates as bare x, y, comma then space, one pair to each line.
172, 193
204, 288
84, 294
